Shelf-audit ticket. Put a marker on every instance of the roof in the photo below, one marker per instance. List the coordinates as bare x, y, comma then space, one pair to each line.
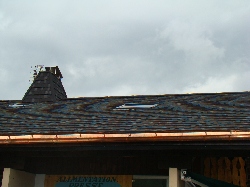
175, 115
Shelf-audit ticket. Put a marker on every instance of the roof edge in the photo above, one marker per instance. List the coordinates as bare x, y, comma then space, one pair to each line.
137, 137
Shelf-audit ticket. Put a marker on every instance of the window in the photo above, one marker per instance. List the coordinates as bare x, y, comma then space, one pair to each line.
149, 181
17, 105
129, 106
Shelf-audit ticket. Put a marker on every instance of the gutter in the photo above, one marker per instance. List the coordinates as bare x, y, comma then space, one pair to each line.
137, 137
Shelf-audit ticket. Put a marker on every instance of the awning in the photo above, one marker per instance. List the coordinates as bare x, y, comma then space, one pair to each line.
190, 176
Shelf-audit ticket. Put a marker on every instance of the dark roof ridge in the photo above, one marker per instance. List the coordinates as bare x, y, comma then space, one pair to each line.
160, 95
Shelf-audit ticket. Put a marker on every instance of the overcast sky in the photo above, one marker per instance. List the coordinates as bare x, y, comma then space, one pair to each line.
127, 47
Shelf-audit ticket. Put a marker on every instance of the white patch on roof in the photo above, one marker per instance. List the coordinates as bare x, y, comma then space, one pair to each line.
128, 106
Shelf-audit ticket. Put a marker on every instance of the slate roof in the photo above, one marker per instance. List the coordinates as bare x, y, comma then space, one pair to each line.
95, 115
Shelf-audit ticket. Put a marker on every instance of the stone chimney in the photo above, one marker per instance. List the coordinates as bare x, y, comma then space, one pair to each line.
46, 87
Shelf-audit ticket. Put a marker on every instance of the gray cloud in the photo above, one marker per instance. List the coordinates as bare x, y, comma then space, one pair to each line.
126, 47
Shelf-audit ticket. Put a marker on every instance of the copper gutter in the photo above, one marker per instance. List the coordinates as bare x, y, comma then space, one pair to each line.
138, 137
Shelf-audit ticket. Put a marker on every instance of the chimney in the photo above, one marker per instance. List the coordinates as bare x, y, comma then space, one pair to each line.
46, 87
55, 71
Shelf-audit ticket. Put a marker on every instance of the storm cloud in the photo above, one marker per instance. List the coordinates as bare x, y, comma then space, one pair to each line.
126, 47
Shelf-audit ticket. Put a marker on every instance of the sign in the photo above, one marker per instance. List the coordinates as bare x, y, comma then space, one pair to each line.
87, 182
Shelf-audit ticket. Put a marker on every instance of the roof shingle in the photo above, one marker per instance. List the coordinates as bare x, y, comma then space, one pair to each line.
94, 115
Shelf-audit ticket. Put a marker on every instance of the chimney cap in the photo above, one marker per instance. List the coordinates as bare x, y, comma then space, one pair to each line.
55, 70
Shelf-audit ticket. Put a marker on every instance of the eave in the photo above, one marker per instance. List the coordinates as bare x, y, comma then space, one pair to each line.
136, 137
